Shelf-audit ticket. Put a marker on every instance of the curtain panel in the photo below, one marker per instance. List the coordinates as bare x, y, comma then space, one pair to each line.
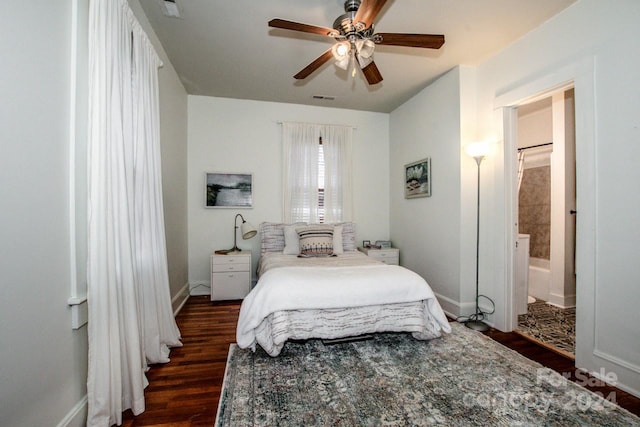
300, 142
300, 190
337, 147
130, 318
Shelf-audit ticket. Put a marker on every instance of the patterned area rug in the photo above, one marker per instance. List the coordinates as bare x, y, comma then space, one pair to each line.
461, 379
550, 325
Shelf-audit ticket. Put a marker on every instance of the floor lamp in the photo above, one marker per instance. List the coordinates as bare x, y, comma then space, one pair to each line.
477, 150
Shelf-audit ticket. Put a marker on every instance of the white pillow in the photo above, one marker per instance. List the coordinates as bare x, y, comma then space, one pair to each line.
291, 240
337, 240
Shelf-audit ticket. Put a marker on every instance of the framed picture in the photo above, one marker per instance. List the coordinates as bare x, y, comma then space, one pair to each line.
228, 190
417, 179
383, 243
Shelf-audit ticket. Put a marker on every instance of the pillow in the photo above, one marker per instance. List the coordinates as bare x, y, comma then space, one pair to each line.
337, 240
272, 236
291, 241
316, 240
348, 236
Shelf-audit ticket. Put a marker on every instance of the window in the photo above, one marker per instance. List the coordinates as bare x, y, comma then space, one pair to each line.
317, 173
320, 182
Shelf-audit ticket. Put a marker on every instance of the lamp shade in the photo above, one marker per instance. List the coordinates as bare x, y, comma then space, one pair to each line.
247, 230
341, 50
365, 48
478, 149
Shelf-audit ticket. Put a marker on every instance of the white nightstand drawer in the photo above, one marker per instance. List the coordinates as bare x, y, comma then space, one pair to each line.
231, 260
233, 285
391, 260
230, 276
389, 256
230, 267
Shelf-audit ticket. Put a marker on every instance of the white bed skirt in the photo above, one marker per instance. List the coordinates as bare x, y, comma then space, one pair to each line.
281, 326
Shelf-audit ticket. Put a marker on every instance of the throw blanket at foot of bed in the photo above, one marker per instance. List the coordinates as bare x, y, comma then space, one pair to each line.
334, 302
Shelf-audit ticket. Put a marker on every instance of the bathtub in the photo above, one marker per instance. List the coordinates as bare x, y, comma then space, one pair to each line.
540, 278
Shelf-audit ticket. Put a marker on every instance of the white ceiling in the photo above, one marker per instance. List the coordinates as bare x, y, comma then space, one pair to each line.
225, 48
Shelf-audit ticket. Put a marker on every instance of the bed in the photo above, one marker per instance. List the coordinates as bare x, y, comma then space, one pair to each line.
342, 293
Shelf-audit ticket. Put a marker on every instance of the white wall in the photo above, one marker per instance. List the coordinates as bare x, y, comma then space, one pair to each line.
589, 43
228, 135
427, 230
43, 368
535, 127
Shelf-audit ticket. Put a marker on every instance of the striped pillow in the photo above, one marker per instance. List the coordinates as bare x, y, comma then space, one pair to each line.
316, 241
272, 236
348, 236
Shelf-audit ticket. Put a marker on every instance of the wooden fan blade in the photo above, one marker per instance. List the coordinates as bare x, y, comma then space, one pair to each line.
428, 41
317, 63
368, 11
372, 74
305, 28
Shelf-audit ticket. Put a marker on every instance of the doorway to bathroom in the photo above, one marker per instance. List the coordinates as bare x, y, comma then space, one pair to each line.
545, 293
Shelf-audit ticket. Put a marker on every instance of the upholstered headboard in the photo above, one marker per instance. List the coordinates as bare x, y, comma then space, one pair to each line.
272, 236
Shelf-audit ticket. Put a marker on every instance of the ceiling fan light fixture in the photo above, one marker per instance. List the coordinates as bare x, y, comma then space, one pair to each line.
343, 62
365, 48
364, 60
354, 32
341, 50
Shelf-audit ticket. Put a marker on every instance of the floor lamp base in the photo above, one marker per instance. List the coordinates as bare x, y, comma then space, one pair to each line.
476, 325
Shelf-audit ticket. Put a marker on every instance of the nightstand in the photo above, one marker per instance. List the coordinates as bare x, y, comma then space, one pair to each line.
389, 256
230, 276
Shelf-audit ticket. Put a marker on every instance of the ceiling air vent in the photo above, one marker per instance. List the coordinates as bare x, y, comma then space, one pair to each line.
170, 8
325, 97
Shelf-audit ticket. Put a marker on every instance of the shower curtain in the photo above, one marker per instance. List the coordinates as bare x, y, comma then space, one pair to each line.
130, 317
520, 168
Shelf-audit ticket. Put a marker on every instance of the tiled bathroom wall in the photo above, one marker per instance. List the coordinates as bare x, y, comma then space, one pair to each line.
534, 216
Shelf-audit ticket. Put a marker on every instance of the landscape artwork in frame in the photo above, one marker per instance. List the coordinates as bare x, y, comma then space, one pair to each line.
229, 190
417, 179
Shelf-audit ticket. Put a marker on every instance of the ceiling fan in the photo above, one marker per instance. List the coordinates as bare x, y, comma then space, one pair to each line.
356, 39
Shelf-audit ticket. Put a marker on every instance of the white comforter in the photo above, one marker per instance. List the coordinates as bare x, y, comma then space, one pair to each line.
322, 287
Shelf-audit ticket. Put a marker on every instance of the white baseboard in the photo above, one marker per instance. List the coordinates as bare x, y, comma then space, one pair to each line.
180, 299
562, 301
455, 309
450, 307
77, 416
199, 288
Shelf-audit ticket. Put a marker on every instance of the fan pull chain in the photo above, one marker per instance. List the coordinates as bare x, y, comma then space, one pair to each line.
353, 71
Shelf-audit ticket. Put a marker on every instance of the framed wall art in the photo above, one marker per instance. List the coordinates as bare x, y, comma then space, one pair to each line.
228, 190
417, 179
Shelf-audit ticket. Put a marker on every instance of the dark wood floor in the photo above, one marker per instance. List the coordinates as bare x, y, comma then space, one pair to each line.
185, 391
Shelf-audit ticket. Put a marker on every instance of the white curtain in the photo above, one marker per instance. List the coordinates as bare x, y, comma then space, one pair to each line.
300, 143
336, 143
130, 318
300, 172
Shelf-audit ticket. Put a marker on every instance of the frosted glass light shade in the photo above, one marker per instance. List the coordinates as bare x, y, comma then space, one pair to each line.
344, 62
341, 50
478, 149
365, 48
